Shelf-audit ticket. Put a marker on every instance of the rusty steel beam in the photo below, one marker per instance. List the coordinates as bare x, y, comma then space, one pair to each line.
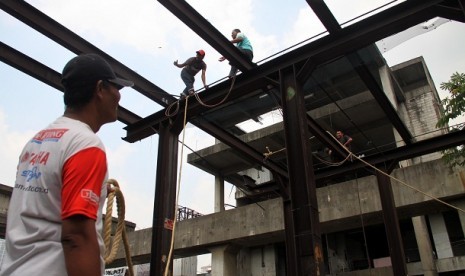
452, 11
214, 95
182, 10
355, 36
76, 44
164, 201
349, 39
331, 24
302, 226
68, 39
237, 144
391, 224
48, 76
380, 97
438, 143
324, 15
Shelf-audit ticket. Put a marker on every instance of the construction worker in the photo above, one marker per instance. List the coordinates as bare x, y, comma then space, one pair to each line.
190, 68
243, 44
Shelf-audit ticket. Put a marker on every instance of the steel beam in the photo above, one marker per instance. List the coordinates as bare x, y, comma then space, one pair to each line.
391, 224
73, 42
237, 144
164, 201
419, 148
324, 14
349, 39
453, 12
48, 76
215, 94
76, 44
380, 96
331, 24
302, 226
182, 10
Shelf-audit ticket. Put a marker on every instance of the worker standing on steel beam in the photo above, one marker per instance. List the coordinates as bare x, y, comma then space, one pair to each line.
190, 68
54, 220
244, 45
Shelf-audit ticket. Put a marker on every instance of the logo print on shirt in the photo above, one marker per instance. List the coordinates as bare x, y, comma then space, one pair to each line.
40, 158
32, 173
90, 196
52, 135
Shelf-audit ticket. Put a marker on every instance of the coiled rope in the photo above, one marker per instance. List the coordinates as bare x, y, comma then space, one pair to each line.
111, 248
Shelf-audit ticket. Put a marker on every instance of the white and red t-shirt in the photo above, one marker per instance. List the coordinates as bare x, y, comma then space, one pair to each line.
61, 173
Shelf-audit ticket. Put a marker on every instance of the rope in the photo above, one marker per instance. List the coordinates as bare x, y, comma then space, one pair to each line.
350, 155
400, 181
222, 101
175, 104
111, 248
177, 190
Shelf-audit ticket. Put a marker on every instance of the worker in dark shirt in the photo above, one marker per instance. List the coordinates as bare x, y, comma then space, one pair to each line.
190, 68
344, 140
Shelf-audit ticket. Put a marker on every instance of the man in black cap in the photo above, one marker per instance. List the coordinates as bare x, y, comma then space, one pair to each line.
55, 214
190, 68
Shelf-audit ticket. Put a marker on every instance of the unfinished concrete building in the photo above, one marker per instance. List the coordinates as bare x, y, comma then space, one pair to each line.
297, 214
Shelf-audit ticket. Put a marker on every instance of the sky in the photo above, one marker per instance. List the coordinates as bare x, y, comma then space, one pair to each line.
146, 37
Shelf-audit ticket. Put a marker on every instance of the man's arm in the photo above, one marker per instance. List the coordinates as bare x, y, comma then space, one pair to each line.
80, 246
349, 140
181, 65
238, 38
204, 78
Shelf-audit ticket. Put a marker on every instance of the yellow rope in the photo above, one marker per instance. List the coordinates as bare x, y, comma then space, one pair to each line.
111, 248
398, 180
170, 113
220, 102
350, 154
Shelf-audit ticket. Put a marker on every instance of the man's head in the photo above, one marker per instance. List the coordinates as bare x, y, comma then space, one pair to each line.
82, 74
200, 54
234, 33
339, 134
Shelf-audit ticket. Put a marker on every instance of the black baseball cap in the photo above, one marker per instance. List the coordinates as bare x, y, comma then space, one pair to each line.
86, 69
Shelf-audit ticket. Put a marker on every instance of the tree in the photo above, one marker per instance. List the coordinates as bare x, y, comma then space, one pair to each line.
454, 106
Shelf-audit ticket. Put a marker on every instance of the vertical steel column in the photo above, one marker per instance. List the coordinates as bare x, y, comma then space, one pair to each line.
164, 202
302, 225
391, 223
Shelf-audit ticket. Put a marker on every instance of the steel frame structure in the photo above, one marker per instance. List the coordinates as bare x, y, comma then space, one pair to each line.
288, 70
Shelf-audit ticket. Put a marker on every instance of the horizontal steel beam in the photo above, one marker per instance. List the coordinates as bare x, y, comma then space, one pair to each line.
416, 149
182, 10
242, 86
358, 35
48, 76
76, 44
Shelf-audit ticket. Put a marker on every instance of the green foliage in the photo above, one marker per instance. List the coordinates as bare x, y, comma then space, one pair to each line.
454, 106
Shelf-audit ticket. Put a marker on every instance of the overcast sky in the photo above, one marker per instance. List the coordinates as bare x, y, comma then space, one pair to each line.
147, 38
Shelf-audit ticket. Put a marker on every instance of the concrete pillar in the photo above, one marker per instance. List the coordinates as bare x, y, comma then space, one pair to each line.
440, 236
224, 260
424, 246
219, 194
